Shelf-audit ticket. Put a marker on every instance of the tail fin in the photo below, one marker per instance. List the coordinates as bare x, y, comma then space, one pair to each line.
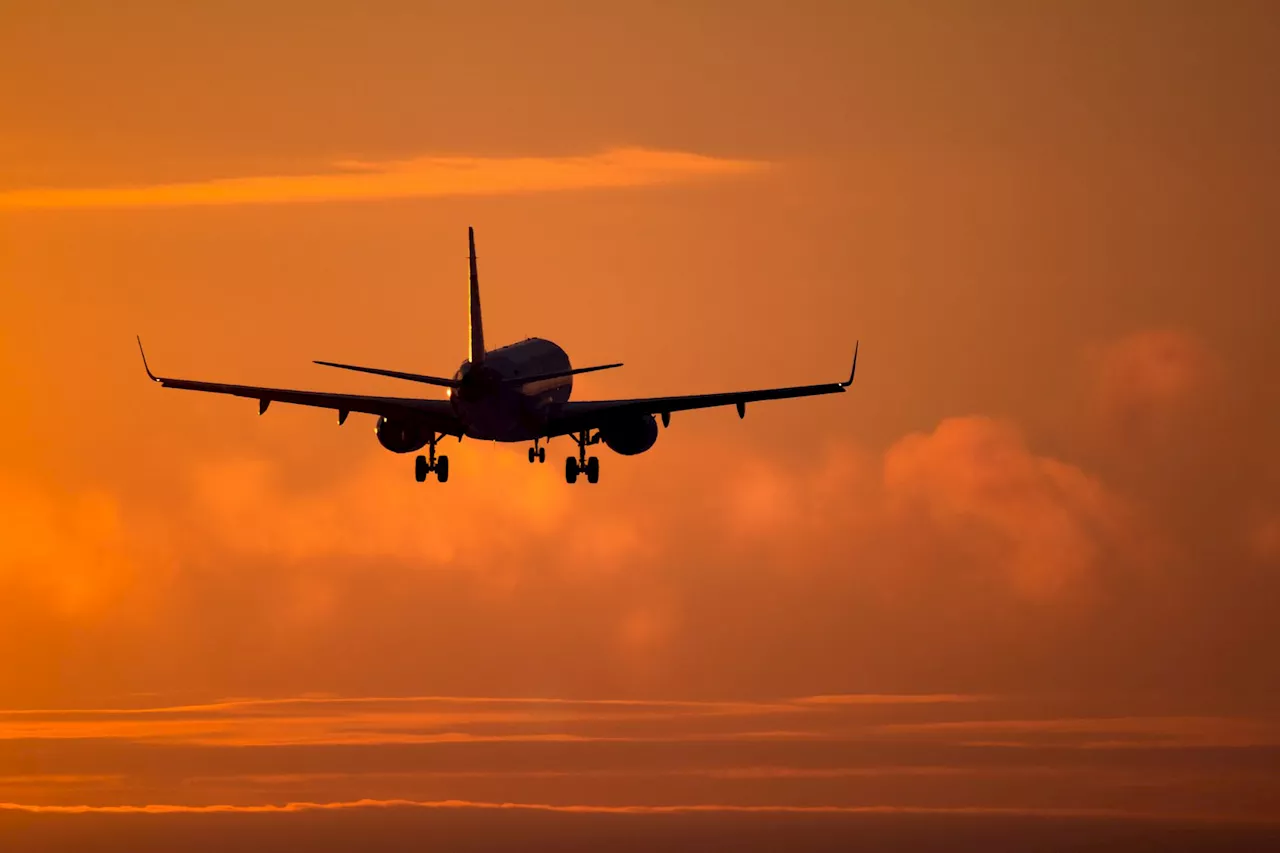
476, 354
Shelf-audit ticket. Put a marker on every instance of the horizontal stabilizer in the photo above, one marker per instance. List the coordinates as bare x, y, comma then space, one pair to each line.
539, 377
395, 374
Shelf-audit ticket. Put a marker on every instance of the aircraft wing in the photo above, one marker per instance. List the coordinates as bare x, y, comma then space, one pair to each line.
433, 414
576, 417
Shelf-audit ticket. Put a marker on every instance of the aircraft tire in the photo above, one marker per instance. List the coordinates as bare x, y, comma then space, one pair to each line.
542, 455
593, 470
571, 470
442, 469
420, 469
531, 455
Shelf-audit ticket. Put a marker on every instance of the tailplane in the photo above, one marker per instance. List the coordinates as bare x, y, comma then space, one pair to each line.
476, 354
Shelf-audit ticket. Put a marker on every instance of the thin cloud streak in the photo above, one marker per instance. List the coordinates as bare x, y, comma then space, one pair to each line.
285, 808
441, 719
720, 773
1118, 731
326, 721
891, 699
419, 177
710, 706
322, 736
60, 779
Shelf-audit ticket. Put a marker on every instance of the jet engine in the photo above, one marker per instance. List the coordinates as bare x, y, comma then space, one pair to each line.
630, 435
401, 436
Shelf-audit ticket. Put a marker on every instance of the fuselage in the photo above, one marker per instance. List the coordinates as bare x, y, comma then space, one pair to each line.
494, 405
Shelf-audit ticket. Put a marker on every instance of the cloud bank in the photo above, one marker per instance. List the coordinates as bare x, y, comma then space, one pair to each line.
418, 177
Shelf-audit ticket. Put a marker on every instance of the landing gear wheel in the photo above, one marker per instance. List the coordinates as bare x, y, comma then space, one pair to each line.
532, 455
571, 470
542, 455
593, 470
421, 469
442, 469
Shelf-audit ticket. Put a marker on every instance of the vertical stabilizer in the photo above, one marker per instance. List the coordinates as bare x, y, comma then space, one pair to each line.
476, 354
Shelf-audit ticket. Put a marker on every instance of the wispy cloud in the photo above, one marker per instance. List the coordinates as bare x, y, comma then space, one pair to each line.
49, 779
765, 772
838, 753
890, 699
1117, 731
418, 177
437, 719
694, 808
259, 706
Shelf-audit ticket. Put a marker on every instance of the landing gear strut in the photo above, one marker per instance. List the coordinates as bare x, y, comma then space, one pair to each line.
536, 453
424, 465
590, 467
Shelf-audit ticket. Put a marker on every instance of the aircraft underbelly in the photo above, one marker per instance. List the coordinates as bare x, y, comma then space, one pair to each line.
502, 418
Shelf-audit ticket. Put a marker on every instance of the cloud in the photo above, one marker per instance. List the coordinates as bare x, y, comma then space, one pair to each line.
770, 505
246, 506
1144, 731
1043, 523
275, 579
285, 808
293, 704
882, 699
811, 753
1264, 538
56, 779
72, 550
1146, 377
753, 772
419, 177
440, 719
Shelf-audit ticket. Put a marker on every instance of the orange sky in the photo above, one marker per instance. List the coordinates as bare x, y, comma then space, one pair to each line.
1053, 491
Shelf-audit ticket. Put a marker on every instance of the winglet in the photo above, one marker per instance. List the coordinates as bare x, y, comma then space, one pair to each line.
853, 369
145, 367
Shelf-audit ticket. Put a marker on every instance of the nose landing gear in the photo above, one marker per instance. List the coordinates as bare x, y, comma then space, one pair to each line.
582, 464
536, 453
425, 465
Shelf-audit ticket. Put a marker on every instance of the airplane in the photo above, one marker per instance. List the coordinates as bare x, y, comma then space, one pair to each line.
516, 393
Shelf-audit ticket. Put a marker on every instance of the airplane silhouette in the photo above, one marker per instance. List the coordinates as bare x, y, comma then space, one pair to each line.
516, 393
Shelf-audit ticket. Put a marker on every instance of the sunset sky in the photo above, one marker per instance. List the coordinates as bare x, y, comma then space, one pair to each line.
1029, 567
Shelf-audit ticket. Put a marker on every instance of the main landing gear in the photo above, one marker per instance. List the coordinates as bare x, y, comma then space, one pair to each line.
425, 465
537, 453
590, 467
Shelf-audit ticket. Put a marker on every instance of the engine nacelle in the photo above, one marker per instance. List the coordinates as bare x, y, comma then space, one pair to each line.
401, 436
630, 435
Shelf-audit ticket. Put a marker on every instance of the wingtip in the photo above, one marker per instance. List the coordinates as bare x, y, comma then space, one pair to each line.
853, 370
146, 366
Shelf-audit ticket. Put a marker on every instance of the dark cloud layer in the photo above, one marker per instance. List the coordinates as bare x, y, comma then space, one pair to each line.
405, 830
858, 754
